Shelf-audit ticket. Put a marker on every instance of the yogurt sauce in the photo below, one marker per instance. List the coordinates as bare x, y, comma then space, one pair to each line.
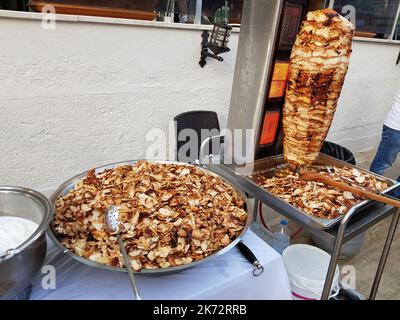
14, 231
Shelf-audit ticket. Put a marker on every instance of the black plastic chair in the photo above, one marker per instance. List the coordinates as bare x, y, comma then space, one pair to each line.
196, 121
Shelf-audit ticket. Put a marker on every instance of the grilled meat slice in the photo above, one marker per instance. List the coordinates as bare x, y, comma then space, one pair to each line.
318, 66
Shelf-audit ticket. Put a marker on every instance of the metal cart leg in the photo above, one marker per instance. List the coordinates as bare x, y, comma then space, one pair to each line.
335, 255
333, 262
385, 253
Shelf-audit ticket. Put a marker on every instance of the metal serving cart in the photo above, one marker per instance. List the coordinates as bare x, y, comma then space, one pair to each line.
268, 31
358, 220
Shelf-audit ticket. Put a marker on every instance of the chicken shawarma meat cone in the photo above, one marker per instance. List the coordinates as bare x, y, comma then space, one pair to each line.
318, 66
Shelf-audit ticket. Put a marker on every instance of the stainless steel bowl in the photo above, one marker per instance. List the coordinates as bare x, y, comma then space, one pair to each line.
20, 265
69, 184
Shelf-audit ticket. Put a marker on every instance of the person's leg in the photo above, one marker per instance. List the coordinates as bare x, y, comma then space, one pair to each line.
387, 151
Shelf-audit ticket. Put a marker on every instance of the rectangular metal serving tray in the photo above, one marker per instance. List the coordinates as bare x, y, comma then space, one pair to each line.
244, 175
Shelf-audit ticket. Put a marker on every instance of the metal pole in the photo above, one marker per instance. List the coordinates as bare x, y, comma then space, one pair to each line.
395, 23
255, 209
198, 14
333, 262
385, 253
335, 254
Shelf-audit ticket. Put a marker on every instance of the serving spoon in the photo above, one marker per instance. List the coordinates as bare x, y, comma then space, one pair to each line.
318, 177
112, 226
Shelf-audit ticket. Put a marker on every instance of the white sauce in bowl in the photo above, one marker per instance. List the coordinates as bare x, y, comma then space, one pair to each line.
14, 231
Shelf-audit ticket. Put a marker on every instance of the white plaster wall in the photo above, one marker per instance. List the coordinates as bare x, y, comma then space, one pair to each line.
368, 93
86, 94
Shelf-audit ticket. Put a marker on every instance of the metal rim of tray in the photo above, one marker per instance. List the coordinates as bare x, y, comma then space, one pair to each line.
69, 184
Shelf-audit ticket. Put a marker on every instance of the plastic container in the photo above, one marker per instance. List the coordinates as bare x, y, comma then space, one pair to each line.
281, 238
307, 267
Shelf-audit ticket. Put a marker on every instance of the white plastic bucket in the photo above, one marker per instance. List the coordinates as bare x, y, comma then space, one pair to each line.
307, 267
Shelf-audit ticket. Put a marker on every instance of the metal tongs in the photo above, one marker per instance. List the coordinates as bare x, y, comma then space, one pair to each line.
112, 225
249, 255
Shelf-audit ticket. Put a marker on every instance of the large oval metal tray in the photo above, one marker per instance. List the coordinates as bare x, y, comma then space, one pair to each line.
69, 184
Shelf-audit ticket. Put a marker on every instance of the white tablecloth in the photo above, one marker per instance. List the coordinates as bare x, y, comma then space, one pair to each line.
226, 277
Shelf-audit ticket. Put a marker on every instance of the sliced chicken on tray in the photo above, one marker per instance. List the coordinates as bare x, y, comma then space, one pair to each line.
318, 66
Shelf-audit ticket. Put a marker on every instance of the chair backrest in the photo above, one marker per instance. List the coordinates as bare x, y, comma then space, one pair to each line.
196, 125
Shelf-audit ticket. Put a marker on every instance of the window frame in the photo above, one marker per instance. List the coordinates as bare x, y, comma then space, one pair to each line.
390, 38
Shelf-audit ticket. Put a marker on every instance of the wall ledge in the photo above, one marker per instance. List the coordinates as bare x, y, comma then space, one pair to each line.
141, 23
103, 20
383, 41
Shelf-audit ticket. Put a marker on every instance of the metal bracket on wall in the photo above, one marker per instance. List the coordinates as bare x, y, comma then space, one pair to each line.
204, 50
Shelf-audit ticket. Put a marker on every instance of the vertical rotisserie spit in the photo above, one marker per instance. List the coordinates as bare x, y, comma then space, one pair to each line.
318, 66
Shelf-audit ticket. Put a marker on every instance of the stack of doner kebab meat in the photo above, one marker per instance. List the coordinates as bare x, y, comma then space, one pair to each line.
318, 66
